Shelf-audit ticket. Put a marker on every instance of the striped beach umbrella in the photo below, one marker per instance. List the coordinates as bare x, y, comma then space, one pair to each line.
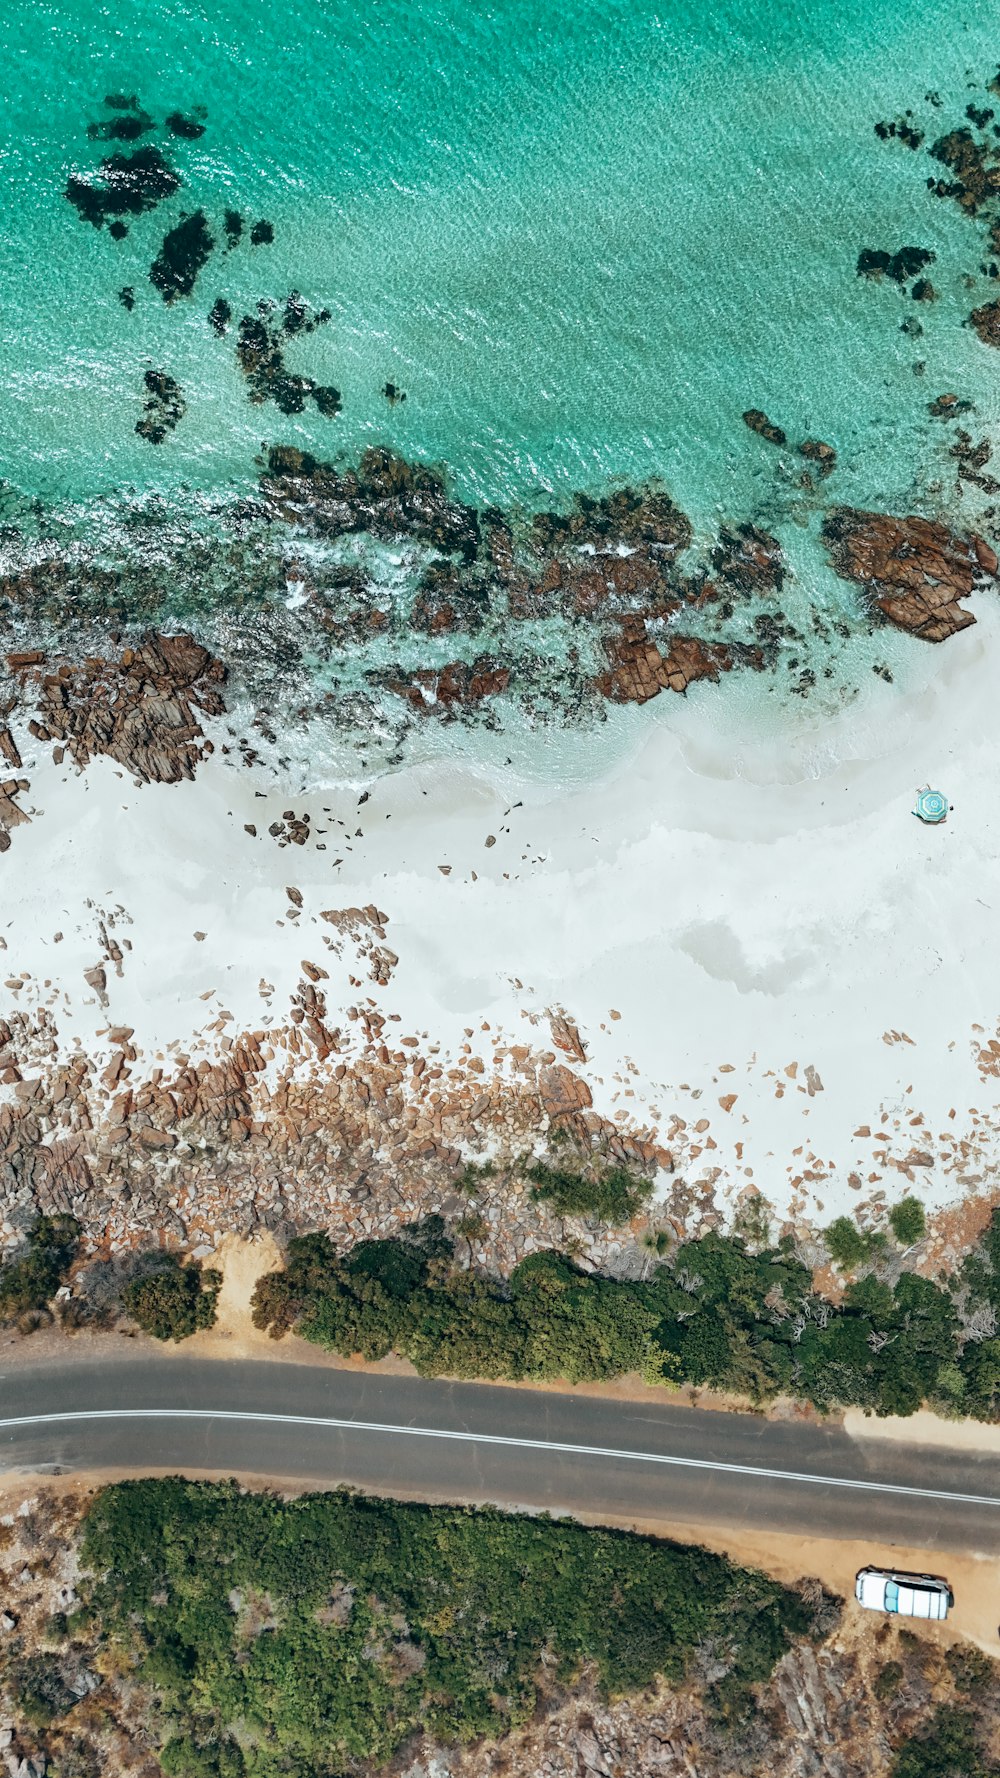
932, 805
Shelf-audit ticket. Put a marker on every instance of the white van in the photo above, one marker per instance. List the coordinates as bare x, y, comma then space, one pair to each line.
908, 1595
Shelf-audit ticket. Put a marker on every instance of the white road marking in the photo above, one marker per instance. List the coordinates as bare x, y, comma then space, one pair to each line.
76, 1416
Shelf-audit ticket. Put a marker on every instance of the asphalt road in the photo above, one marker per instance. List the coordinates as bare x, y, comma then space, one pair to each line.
127, 1408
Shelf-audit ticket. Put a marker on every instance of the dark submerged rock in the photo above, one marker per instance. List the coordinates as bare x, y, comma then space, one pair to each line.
185, 250
129, 123
117, 231
974, 167
384, 495
902, 129
758, 422
189, 128
260, 356
219, 316
815, 451
948, 407
133, 183
233, 223
262, 234
875, 262
392, 394
986, 321
163, 407
126, 297
923, 291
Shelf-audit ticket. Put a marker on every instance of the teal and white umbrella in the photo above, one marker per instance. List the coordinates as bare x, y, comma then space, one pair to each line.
932, 805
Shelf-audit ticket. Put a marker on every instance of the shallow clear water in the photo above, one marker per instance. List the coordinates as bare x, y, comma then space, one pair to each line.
582, 241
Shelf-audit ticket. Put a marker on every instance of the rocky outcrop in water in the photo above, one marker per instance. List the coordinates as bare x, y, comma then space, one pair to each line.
385, 496
914, 570
640, 668
141, 710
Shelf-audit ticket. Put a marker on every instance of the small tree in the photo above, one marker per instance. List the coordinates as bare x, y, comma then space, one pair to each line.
908, 1221
175, 1301
847, 1246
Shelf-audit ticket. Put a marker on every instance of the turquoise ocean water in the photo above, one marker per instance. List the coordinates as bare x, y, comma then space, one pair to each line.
582, 239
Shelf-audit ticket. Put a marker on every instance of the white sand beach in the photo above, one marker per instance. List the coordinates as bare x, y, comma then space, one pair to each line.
769, 960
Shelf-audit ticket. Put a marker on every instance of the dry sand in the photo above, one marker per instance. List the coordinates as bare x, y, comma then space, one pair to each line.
757, 940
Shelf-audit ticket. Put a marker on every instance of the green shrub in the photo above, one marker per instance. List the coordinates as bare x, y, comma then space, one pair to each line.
848, 1247
30, 1280
175, 1300
888, 1681
38, 1687
946, 1748
908, 1221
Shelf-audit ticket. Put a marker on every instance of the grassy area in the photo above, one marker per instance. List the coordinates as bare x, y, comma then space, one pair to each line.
294, 1637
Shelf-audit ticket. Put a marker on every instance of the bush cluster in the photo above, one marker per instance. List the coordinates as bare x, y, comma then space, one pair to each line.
713, 1314
328, 1630
173, 1300
29, 1281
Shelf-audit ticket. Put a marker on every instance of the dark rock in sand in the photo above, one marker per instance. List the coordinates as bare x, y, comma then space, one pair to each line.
133, 183
392, 394
262, 234
914, 570
117, 231
185, 250
923, 291
220, 315
233, 223
758, 422
187, 127
126, 297
163, 408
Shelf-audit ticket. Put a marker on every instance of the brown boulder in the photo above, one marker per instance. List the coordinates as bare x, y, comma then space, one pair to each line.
639, 671
914, 570
141, 710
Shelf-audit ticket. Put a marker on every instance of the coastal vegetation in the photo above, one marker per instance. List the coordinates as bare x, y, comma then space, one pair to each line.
297, 1636
718, 1312
206, 1632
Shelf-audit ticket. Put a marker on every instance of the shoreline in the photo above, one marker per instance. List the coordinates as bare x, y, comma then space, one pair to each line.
774, 972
